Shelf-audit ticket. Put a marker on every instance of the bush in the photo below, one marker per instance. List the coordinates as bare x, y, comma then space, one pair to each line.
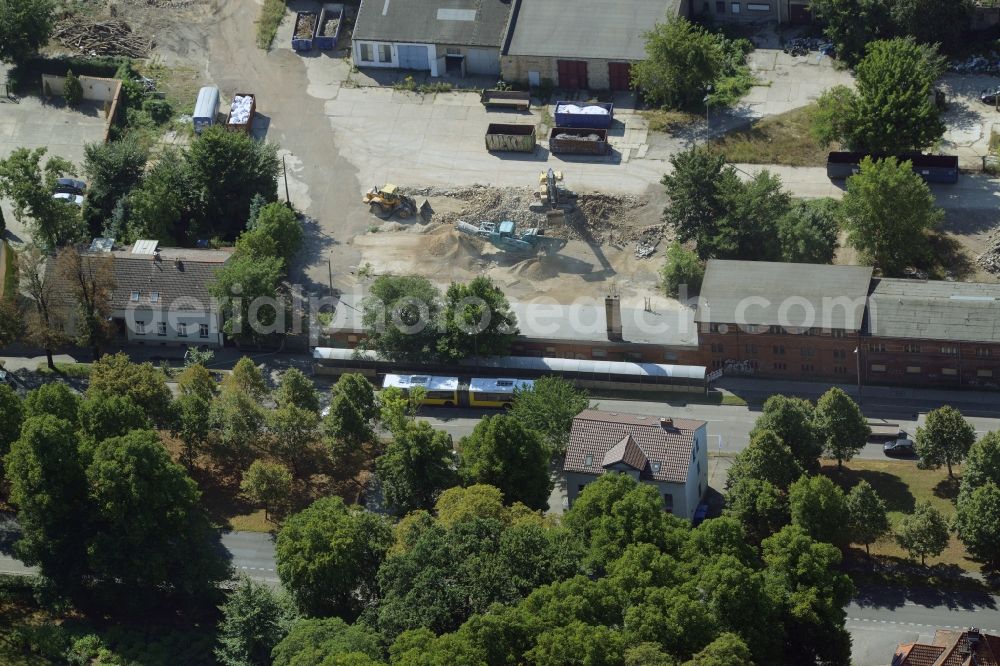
159, 110
73, 90
682, 268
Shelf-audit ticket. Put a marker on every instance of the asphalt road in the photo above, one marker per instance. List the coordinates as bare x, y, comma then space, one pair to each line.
252, 554
879, 619
728, 426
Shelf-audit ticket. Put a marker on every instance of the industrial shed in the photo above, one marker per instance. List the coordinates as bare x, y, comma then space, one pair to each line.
581, 44
453, 37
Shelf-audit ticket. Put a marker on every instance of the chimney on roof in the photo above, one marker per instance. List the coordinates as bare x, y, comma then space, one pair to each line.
613, 315
156, 255
667, 423
177, 264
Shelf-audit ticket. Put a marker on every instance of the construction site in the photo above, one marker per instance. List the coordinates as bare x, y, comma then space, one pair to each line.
546, 240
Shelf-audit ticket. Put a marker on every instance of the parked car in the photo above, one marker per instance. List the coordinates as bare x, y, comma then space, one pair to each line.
900, 448
700, 514
70, 190
989, 96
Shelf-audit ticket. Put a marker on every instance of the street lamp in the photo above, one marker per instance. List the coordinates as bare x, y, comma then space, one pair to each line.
857, 358
708, 120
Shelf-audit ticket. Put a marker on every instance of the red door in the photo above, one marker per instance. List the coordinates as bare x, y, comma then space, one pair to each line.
572, 74
620, 75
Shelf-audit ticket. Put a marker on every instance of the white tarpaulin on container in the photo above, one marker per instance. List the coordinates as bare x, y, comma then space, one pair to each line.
240, 110
591, 110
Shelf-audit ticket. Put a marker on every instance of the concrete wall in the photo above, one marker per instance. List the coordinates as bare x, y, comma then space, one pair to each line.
697, 481
522, 69
94, 88
944, 363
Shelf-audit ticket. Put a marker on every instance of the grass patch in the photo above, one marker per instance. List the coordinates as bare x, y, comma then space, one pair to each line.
732, 400
81, 370
729, 90
664, 120
782, 139
9, 283
271, 14
901, 484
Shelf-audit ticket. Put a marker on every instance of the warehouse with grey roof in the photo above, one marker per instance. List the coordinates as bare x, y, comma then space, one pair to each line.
581, 44
453, 37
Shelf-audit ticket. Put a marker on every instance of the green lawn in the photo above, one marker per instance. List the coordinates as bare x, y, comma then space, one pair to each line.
271, 14
782, 139
901, 485
68, 369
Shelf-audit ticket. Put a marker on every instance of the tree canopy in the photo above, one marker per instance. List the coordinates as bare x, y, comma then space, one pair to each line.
501, 452
893, 109
25, 26
682, 60
840, 425
328, 555
791, 419
819, 507
866, 514
478, 321
401, 316
548, 407
923, 533
888, 211
944, 439
52, 222
418, 464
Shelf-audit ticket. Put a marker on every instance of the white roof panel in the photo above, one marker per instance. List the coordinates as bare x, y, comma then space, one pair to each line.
498, 384
145, 247
429, 382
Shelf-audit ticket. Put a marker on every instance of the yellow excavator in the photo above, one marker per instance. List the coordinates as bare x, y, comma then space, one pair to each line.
387, 202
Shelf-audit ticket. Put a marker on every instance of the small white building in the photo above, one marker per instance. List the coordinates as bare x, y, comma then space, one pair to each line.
453, 37
669, 454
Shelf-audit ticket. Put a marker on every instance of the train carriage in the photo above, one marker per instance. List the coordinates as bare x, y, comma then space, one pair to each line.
614, 375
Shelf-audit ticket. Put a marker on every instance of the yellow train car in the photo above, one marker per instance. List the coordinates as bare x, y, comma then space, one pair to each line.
438, 390
495, 391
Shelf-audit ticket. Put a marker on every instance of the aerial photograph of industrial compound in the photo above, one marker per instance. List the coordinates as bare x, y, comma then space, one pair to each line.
500, 332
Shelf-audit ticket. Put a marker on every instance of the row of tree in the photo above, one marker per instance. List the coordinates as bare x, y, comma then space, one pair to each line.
478, 582
203, 192
888, 213
852, 24
773, 482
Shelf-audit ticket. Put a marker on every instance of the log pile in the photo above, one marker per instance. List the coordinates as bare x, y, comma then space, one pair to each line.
102, 37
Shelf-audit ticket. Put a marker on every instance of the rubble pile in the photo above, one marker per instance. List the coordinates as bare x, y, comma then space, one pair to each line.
989, 260
306, 26
578, 137
329, 28
239, 113
101, 37
601, 218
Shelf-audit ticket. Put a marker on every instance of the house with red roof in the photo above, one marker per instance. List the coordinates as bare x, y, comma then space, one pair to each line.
970, 647
669, 454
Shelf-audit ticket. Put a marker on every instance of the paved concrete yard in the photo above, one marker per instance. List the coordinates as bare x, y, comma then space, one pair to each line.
27, 123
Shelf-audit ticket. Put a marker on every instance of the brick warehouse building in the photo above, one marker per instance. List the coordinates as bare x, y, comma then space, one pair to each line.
803, 321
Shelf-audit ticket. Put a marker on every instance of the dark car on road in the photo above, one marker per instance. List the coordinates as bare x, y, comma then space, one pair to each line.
902, 448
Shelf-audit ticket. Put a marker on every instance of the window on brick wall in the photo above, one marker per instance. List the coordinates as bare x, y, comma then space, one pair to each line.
983, 351
950, 372
949, 350
751, 349
808, 367
838, 333
775, 330
876, 347
911, 348
807, 352
839, 370
840, 353
779, 366
778, 350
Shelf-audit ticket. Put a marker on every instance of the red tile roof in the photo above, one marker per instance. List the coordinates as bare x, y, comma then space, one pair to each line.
951, 648
628, 452
666, 448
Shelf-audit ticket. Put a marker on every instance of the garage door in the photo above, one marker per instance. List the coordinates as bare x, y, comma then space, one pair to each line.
620, 75
572, 74
413, 57
799, 14
482, 61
